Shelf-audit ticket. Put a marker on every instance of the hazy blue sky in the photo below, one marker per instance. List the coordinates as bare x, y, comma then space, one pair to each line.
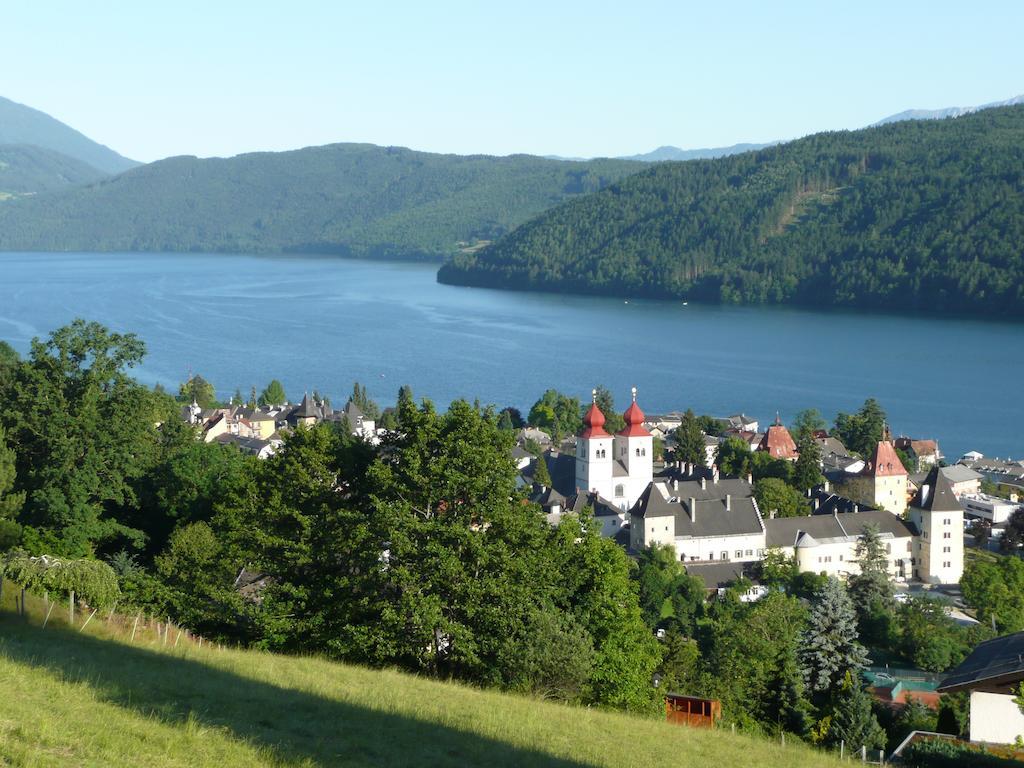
569, 78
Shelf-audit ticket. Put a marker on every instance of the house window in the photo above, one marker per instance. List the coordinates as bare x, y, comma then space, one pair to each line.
711, 556
946, 521
888, 549
840, 558
946, 550
619, 490
760, 553
643, 451
725, 555
750, 553
739, 553
947, 535
946, 564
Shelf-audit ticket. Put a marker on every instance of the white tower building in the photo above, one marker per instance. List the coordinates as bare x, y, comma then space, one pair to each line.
595, 453
939, 550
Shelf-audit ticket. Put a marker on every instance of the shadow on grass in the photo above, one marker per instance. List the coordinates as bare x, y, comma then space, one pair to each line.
295, 725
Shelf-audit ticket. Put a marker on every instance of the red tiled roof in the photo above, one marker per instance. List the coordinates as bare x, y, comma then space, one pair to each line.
593, 423
778, 442
884, 462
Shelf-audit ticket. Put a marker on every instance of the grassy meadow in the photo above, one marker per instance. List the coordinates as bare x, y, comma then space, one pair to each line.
72, 698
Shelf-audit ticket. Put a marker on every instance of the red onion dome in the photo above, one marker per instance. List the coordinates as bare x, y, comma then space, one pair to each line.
634, 419
593, 423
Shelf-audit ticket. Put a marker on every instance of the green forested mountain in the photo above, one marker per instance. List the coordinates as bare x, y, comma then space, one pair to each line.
28, 170
23, 125
356, 199
919, 215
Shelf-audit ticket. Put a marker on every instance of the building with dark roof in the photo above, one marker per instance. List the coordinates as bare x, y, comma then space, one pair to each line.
939, 517
828, 543
992, 674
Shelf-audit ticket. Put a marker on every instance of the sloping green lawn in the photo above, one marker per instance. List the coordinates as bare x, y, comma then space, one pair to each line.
91, 699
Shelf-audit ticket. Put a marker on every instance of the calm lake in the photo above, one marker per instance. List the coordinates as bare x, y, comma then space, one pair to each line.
324, 322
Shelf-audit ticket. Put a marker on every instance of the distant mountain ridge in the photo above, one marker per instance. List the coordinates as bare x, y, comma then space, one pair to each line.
918, 215
673, 154
941, 114
20, 124
28, 170
351, 199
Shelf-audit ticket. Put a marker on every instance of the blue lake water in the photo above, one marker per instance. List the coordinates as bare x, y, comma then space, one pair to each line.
324, 322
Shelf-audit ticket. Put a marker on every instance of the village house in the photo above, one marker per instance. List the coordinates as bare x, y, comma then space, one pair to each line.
882, 483
992, 675
936, 513
778, 443
924, 453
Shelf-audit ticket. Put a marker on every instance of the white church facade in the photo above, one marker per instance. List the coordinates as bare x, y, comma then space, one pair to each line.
616, 467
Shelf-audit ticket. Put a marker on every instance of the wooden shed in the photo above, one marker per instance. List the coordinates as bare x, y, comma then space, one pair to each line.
692, 711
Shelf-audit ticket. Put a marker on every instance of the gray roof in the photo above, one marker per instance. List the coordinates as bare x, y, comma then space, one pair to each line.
718, 575
993, 665
601, 506
787, 531
936, 494
831, 445
958, 473
830, 503
713, 518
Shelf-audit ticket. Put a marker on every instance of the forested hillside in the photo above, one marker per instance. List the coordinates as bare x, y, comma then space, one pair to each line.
925, 216
28, 170
355, 199
20, 124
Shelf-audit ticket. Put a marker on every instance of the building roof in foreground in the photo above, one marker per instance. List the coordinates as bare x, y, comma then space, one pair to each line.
718, 575
936, 494
994, 666
723, 508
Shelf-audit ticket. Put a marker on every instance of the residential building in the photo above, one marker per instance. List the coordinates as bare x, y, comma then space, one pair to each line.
936, 513
992, 508
882, 483
828, 543
992, 674
778, 443
924, 453
703, 516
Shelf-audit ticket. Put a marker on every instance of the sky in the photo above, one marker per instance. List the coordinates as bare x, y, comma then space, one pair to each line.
593, 78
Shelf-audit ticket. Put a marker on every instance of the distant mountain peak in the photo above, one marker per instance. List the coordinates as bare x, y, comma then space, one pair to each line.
945, 112
21, 124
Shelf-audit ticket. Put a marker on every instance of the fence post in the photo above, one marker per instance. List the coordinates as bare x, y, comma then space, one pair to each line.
23, 612
842, 748
82, 628
111, 614
48, 612
1, 589
135, 626
863, 753
71, 608
783, 738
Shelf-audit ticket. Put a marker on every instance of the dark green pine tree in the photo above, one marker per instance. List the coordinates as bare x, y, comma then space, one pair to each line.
807, 468
853, 722
829, 647
787, 692
541, 476
690, 440
871, 590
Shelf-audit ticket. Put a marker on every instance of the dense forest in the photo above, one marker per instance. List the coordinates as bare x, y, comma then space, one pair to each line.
913, 216
350, 199
29, 170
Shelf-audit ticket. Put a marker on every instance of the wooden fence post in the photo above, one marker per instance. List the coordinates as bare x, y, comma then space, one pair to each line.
111, 614
135, 626
842, 748
71, 608
23, 612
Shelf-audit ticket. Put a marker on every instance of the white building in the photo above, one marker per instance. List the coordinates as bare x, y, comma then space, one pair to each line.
992, 673
938, 516
616, 467
992, 508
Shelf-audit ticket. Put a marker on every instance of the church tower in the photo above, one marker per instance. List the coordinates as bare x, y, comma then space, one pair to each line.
634, 449
594, 453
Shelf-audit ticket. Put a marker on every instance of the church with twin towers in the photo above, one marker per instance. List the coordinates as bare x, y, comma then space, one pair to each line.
616, 467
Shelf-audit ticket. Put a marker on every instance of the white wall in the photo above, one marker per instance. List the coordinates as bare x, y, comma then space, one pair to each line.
750, 546
995, 718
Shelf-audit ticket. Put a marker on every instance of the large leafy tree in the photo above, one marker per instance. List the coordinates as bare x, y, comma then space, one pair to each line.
669, 597
861, 431
83, 432
198, 390
273, 394
557, 413
734, 457
776, 498
829, 647
11, 501
996, 590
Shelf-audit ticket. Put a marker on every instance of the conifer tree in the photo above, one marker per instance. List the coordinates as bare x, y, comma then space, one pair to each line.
690, 440
787, 692
853, 722
829, 647
541, 476
871, 590
807, 468
273, 394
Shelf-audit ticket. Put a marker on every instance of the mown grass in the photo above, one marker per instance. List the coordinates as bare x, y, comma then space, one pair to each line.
93, 699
